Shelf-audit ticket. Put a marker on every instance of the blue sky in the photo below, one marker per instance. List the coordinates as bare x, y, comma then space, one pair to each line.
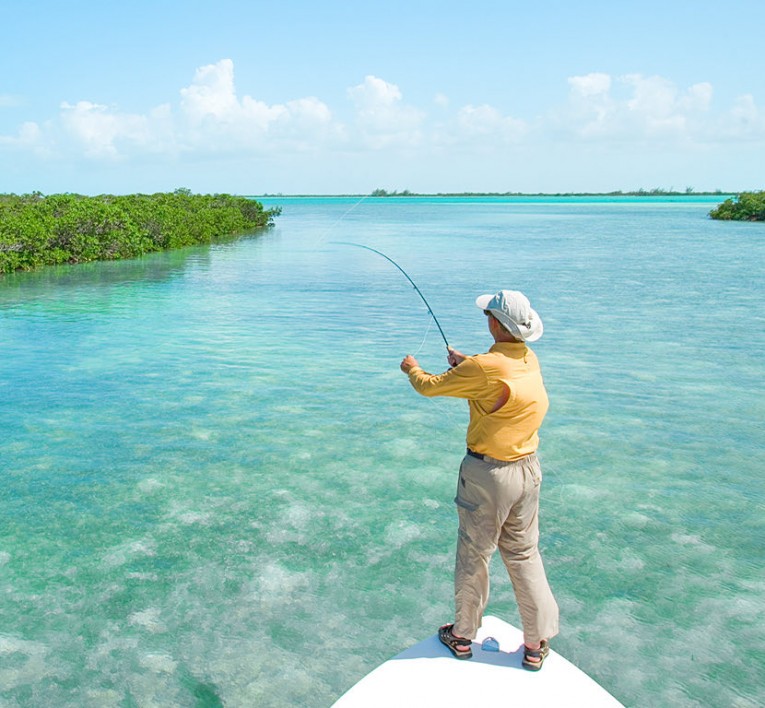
342, 97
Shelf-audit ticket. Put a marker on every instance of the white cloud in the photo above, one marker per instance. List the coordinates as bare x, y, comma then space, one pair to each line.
487, 122
10, 101
216, 118
744, 121
97, 128
636, 107
653, 96
212, 93
383, 119
590, 84
698, 97
209, 118
29, 134
30, 138
374, 94
590, 106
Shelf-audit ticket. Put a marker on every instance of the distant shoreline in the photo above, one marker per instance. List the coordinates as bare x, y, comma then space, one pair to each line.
406, 193
731, 206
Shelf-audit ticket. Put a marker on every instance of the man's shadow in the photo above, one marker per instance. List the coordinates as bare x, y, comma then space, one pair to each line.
431, 648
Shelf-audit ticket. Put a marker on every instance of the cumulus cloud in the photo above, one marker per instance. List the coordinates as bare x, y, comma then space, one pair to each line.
9, 101
29, 138
212, 102
662, 106
744, 121
216, 118
212, 93
590, 105
634, 106
208, 117
382, 116
101, 131
487, 122
29, 134
441, 100
698, 97
590, 84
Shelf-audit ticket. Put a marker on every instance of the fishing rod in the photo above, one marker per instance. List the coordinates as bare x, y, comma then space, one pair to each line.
406, 275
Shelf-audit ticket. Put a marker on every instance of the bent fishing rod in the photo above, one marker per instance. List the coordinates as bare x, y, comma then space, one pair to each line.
406, 275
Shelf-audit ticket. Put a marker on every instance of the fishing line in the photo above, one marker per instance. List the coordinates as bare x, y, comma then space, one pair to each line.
406, 275
347, 212
325, 232
422, 343
444, 410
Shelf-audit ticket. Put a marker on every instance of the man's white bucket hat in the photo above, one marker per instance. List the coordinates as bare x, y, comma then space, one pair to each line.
513, 310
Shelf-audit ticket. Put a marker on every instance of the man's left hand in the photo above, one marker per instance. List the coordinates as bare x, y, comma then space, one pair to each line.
408, 363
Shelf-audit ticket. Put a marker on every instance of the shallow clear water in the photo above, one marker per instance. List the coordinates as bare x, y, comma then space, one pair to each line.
218, 488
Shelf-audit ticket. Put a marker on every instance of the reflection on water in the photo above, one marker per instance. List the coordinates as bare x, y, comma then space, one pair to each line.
93, 286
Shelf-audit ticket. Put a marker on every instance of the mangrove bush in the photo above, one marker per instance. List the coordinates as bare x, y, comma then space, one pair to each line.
747, 206
37, 230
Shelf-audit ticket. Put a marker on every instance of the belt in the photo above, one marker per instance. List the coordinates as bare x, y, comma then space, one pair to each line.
488, 458
479, 456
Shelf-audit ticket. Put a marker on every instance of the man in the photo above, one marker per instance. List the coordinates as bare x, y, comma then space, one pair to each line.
498, 488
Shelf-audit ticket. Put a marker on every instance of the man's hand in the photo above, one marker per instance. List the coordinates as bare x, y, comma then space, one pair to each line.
408, 363
454, 357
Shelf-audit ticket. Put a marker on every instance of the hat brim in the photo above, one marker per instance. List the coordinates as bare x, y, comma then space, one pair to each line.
526, 334
483, 301
531, 334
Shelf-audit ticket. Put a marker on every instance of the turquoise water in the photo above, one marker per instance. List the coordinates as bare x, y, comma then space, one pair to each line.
218, 488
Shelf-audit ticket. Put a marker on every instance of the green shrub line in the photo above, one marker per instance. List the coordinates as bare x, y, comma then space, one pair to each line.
747, 206
38, 230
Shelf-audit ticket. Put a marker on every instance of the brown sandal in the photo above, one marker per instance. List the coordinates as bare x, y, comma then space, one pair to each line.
451, 642
539, 654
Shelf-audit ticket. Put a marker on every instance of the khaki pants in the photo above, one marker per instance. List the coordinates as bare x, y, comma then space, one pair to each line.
498, 504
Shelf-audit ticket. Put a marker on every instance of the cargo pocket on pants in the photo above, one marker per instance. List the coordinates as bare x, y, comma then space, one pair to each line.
536, 473
466, 511
464, 503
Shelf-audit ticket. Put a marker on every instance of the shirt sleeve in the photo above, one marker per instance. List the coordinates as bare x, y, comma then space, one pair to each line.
467, 380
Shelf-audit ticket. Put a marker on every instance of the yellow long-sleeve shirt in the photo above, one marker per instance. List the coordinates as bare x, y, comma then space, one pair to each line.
508, 369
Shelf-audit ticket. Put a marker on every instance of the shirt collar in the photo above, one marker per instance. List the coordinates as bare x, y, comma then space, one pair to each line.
508, 347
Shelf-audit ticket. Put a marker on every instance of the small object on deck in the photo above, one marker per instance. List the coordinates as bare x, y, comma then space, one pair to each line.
490, 644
